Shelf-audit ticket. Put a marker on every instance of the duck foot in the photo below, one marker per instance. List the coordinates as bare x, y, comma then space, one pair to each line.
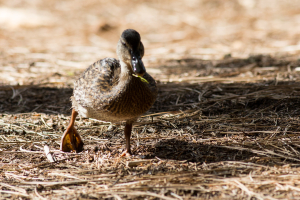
71, 140
126, 154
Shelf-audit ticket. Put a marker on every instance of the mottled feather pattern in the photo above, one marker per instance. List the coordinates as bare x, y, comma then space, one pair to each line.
98, 94
96, 80
113, 91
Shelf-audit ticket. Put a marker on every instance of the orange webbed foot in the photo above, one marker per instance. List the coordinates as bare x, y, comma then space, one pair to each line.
126, 154
71, 140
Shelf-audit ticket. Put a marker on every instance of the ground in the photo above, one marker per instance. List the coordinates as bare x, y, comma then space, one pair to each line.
225, 124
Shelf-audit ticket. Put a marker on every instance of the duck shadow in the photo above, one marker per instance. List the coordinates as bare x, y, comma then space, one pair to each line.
35, 99
171, 96
174, 149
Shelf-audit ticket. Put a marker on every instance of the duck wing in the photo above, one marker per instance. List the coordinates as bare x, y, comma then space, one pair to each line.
95, 85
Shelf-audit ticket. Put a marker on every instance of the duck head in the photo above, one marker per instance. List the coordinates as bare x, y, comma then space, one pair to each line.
130, 50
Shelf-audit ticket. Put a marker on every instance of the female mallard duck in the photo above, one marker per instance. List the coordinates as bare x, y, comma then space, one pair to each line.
112, 90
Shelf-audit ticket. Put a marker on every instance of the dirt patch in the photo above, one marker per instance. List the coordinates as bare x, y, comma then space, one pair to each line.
200, 137
225, 124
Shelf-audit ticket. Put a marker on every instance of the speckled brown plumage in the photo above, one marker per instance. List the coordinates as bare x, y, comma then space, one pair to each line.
109, 90
99, 94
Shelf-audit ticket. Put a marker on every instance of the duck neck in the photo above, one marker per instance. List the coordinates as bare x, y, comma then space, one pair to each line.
125, 77
126, 73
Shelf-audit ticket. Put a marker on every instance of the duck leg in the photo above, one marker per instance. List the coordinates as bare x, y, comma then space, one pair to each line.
127, 131
71, 139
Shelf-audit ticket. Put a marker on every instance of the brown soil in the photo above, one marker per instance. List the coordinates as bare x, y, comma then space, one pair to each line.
225, 124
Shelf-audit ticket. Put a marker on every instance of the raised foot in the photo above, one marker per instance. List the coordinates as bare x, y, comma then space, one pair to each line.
71, 141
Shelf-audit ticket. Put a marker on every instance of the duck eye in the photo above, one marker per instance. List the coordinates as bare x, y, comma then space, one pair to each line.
124, 44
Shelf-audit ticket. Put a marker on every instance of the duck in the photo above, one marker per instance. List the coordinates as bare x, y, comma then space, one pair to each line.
112, 90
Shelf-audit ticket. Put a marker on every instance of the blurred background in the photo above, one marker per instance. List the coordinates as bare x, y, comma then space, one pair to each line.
56, 39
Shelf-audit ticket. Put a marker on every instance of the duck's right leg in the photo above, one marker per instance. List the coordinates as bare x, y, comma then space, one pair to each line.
71, 139
127, 131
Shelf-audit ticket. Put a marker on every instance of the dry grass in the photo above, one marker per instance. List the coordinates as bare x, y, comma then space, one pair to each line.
218, 139
223, 127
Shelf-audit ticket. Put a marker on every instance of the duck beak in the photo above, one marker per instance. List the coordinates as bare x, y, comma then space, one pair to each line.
137, 64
